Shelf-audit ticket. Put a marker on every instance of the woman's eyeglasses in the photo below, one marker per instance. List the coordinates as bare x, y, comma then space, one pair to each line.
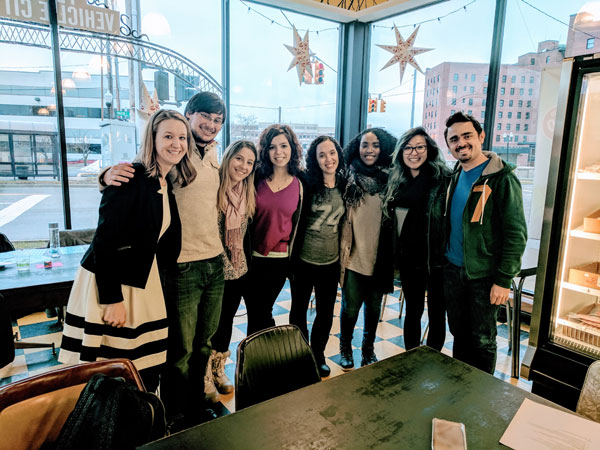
419, 148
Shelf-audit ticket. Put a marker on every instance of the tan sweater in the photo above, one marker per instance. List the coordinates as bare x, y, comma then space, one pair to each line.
366, 225
197, 205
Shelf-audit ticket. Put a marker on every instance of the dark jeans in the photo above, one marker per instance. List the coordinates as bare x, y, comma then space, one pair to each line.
265, 281
325, 280
193, 294
151, 376
232, 296
471, 318
359, 289
414, 284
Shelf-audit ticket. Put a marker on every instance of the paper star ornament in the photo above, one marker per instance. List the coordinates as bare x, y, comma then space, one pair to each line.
301, 54
404, 52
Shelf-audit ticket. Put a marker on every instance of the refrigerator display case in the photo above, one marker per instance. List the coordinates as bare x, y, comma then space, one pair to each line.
565, 328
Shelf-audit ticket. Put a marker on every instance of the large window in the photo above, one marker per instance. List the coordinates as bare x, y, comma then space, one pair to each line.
536, 39
30, 191
451, 62
263, 90
103, 92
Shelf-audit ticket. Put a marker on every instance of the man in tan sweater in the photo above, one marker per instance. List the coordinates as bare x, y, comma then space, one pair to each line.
194, 292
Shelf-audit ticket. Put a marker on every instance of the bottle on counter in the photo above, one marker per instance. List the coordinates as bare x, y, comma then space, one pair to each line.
54, 241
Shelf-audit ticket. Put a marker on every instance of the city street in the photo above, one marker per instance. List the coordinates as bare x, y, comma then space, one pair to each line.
27, 207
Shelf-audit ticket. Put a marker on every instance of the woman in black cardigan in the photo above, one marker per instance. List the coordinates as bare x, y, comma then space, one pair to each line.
417, 189
116, 307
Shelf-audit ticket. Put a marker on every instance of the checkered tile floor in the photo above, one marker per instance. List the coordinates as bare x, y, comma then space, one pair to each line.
389, 342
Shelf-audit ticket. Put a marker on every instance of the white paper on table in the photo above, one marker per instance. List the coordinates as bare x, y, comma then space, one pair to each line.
540, 427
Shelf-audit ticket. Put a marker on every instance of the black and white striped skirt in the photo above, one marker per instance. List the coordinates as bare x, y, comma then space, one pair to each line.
143, 339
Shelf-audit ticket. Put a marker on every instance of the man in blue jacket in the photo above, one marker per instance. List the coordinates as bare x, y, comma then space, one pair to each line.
486, 240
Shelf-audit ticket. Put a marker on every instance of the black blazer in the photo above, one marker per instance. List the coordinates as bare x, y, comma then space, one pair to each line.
126, 239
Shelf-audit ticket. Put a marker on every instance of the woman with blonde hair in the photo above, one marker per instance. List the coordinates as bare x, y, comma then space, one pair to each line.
116, 308
236, 205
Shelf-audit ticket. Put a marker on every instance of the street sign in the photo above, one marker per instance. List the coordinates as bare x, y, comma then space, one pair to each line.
70, 14
123, 114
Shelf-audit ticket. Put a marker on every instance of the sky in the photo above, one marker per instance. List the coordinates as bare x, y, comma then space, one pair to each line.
261, 82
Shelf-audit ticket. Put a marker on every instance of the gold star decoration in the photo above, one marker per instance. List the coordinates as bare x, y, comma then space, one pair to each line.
301, 54
404, 52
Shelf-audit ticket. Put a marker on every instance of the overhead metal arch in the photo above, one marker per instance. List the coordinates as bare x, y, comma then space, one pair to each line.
152, 55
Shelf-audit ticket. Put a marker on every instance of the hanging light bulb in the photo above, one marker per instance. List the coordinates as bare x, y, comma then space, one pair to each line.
98, 62
81, 74
68, 83
590, 12
155, 24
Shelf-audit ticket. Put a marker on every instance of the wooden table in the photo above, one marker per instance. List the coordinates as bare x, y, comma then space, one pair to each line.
389, 404
39, 288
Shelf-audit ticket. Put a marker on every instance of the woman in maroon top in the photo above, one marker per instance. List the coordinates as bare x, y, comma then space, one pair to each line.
278, 205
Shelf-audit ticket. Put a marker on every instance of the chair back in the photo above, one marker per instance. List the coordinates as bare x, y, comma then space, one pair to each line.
34, 410
589, 399
5, 244
69, 238
7, 347
273, 362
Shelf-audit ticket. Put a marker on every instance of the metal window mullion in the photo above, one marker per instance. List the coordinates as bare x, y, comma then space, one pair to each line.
60, 114
494, 72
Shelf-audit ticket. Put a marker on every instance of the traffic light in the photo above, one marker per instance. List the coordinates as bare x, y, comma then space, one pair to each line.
161, 84
307, 78
319, 72
372, 105
381, 105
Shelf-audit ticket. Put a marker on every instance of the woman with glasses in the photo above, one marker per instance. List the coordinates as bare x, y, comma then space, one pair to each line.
415, 198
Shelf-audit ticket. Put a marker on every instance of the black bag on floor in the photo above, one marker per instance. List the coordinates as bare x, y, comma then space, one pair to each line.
112, 414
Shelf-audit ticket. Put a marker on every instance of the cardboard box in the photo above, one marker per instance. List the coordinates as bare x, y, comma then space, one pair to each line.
587, 275
591, 223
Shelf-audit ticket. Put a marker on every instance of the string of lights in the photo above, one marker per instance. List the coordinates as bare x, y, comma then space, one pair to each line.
438, 18
560, 21
275, 22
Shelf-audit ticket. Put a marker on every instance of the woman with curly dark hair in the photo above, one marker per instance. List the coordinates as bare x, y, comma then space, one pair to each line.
317, 251
416, 192
365, 254
279, 193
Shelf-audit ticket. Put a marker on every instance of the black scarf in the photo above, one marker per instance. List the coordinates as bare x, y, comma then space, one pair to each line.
413, 193
363, 180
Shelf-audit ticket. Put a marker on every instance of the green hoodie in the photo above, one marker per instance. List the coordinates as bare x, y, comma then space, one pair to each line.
494, 228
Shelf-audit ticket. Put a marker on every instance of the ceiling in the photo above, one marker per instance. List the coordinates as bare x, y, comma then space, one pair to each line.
350, 10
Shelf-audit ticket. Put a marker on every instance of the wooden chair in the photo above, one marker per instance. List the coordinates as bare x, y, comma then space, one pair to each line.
589, 399
273, 362
34, 410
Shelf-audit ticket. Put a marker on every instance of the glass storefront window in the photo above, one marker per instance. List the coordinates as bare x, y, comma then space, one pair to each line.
263, 91
535, 44
455, 70
30, 191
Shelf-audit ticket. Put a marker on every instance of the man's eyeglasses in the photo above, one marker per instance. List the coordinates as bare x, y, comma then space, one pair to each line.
419, 148
217, 120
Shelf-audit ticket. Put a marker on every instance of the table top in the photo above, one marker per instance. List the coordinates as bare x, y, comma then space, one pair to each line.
389, 404
11, 278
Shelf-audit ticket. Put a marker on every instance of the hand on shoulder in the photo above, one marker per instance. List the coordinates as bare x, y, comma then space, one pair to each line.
117, 174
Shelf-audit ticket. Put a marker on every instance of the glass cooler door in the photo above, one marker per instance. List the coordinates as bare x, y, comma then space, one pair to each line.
576, 310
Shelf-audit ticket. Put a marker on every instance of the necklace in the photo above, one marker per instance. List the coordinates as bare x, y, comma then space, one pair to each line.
279, 185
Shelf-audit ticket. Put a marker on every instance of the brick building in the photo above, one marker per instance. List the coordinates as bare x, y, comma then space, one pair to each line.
455, 86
